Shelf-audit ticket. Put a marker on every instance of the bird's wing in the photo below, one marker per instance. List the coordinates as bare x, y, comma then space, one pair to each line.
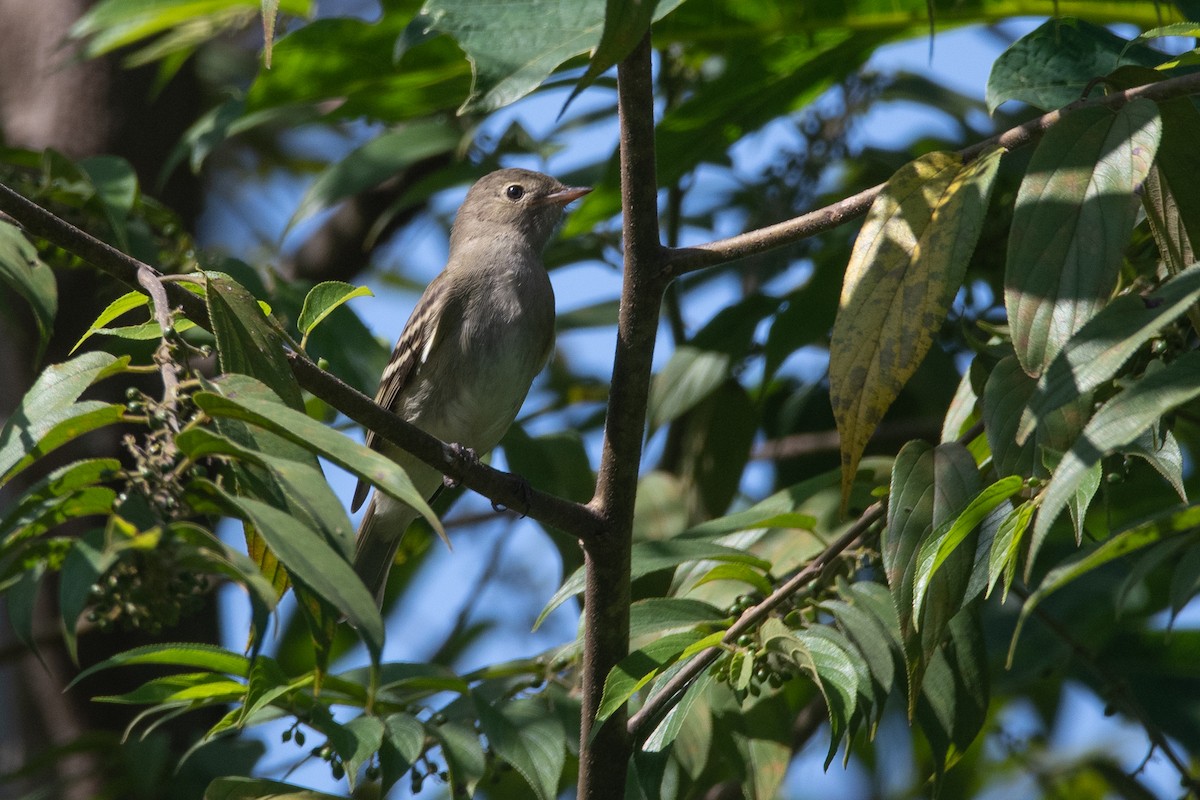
418, 340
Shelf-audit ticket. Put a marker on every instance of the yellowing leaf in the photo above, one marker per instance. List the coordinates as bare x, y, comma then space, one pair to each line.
907, 264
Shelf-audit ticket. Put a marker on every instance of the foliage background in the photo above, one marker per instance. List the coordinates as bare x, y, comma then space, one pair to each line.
266, 160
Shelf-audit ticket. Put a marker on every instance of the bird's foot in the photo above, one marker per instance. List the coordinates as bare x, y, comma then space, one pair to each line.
461, 453
526, 492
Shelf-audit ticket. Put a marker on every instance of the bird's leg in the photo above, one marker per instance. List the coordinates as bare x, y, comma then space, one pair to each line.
462, 454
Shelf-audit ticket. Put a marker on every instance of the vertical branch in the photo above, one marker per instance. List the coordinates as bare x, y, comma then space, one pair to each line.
604, 755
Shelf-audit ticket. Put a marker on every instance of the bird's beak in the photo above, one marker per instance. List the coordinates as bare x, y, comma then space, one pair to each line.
566, 195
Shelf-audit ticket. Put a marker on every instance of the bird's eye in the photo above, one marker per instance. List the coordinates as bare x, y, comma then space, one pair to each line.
515, 191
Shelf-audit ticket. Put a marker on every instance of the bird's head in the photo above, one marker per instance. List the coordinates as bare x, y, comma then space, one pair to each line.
515, 200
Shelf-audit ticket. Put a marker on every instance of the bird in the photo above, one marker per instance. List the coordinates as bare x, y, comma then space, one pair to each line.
478, 336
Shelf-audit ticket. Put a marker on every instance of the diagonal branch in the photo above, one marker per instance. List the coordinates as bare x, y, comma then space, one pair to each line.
665, 697
688, 259
500, 487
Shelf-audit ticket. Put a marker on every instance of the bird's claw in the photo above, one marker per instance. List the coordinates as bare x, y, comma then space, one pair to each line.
461, 453
526, 498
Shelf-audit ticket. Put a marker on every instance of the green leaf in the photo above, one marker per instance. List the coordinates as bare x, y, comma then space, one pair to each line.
307, 491
1053, 65
86, 562
49, 402
639, 668
1006, 545
85, 417
662, 615
1119, 422
310, 560
367, 732
464, 756
200, 688
375, 161
742, 573
322, 299
551, 32
1161, 526
1074, 213
403, 741
247, 343
908, 262
24, 273
523, 734
701, 366
116, 186
1107, 341
950, 534
668, 730
239, 788
196, 656
55, 489
236, 402
652, 556
625, 23
1161, 452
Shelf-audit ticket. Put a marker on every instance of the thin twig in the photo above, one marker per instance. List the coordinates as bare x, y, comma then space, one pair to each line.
689, 259
1118, 691
151, 281
664, 698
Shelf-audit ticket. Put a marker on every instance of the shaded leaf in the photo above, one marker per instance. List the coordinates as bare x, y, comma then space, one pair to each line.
23, 272
522, 734
1073, 217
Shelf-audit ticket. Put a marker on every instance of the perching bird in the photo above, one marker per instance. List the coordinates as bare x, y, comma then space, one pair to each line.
479, 335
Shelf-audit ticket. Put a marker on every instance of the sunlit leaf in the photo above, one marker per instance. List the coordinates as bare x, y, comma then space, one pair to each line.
908, 262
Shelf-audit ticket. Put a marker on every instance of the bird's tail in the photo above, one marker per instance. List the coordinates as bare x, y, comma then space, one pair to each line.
379, 536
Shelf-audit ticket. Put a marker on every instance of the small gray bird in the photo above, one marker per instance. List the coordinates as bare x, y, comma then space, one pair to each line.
480, 333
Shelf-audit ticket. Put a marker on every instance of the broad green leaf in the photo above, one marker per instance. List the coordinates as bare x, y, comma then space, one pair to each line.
113, 24
822, 653
551, 32
1160, 449
375, 161
310, 560
955, 693
19, 601
1171, 199
909, 520
1119, 422
196, 656
49, 402
1185, 580
523, 734
667, 731
306, 489
639, 668
191, 687
403, 741
367, 732
625, 23
1107, 341
1074, 213
303, 430
950, 534
75, 421
1053, 65
21, 271
322, 299
464, 756
1006, 546
235, 787
742, 573
908, 262
116, 186
247, 342
648, 557
714, 445
84, 565
1160, 527
662, 615
701, 366
54, 489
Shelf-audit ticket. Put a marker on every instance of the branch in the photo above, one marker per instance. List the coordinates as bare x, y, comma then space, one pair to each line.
665, 697
1119, 692
604, 754
501, 488
689, 259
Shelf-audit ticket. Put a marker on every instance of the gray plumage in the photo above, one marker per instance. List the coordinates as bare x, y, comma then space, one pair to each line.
478, 336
